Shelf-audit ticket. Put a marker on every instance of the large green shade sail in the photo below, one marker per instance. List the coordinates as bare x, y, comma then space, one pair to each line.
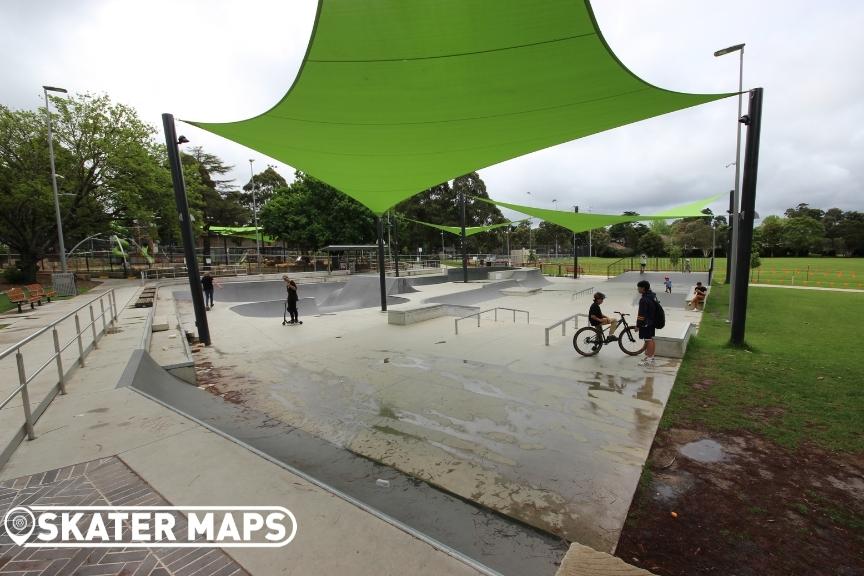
396, 96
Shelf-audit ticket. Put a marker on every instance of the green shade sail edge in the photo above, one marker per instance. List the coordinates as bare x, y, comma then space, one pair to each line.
396, 96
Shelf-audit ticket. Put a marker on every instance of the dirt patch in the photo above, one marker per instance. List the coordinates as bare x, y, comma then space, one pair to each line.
761, 510
222, 382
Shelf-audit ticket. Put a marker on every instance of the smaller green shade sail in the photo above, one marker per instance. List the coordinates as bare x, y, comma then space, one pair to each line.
396, 96
247, 232
582, 222
469, 230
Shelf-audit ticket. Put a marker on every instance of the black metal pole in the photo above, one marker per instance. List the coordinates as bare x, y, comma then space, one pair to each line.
464, 243
729, 237
381, 277
753, 120
186, 229
394, 246
575, 251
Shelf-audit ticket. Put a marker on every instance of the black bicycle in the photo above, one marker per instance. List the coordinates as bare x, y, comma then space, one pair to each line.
589, 340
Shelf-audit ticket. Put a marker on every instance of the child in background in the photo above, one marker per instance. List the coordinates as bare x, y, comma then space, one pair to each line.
668, 283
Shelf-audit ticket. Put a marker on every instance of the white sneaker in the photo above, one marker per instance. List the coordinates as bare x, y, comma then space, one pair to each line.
647, 362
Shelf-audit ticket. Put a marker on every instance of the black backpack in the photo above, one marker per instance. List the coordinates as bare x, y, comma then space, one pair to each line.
659, 315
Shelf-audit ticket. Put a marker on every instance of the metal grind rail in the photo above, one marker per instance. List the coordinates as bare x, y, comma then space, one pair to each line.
580, 293
106, 311
563, 324
495, 310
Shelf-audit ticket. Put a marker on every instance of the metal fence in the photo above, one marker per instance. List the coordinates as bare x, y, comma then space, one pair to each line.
27, 353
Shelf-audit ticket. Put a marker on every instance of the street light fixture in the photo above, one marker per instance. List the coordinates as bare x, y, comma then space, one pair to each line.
255, 216
61, 246
736, 202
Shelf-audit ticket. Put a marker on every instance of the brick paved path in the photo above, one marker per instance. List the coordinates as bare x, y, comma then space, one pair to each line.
99, 483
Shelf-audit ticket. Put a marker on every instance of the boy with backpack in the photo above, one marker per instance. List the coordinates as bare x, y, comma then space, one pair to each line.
650, 317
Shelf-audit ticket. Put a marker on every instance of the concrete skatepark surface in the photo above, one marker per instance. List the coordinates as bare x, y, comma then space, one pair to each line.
510, 548
536, 433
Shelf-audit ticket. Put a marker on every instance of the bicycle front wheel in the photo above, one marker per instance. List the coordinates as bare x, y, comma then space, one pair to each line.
629, 342
587, 341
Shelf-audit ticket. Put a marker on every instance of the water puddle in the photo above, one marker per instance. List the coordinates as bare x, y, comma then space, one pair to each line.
705, 451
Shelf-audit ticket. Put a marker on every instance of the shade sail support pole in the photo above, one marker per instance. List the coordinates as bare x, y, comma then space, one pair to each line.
464, 243
381, 276
740, 284
186, 228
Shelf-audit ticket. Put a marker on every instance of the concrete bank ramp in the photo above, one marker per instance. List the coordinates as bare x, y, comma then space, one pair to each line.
469, 532
530, 278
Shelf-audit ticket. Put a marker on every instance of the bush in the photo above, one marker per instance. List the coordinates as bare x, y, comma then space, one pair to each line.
14, 275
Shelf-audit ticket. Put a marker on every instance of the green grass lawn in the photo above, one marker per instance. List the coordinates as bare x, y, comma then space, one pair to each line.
798, 381
816, 271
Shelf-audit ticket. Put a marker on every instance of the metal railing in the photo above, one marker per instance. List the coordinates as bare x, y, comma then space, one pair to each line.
181, 272
563, 324
580, 293
25, 379
495, 310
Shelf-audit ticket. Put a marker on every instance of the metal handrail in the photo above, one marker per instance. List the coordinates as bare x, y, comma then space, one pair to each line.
477, 314
563, 324
17, 345
56, 357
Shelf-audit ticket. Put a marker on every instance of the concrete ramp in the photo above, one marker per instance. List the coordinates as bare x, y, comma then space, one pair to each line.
530, 278
464, 530
363, 292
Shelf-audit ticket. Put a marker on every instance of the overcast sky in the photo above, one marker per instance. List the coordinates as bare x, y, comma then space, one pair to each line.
223, 60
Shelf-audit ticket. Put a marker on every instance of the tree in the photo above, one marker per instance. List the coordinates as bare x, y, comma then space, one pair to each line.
441, 204
266, 184
310, 214
628, 233
802, 234
804, 210
109, 171
771, 231
218, 203
651, 244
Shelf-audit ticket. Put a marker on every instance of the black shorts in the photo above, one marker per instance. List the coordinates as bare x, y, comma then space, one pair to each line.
646, 333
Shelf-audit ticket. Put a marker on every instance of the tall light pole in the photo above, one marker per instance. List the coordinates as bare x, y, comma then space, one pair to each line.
255, 216
62, 245
736, 203
575, 252
443, 254
530, 230
554, 200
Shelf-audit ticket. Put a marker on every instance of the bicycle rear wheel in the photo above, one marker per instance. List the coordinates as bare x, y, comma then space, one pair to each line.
629, 342
587, 341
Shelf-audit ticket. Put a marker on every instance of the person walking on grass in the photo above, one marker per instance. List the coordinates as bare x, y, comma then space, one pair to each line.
643, 262
645, 321
598, 320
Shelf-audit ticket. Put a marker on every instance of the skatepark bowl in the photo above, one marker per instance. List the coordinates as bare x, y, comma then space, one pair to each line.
491, 443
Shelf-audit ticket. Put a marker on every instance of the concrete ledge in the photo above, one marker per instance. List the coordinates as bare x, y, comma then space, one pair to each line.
160, 324
413, 313
672, 340
584, 561
521, 291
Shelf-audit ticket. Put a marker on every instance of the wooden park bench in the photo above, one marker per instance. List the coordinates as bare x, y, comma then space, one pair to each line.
18, 297
40, 290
